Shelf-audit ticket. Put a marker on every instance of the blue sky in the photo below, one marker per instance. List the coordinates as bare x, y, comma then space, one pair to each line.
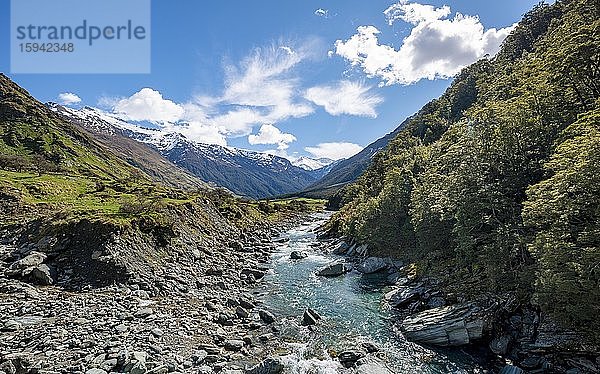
316, 78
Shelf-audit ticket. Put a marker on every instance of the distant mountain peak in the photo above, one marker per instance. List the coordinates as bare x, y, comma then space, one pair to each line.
311, 164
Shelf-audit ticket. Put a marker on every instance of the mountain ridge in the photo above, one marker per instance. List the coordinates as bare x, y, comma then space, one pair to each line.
245, 173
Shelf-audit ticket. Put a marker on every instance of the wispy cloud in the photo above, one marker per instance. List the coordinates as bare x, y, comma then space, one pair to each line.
437, 46
345, 97
263, 89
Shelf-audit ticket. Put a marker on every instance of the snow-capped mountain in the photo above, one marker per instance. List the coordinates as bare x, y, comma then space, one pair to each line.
311, 164
244, 172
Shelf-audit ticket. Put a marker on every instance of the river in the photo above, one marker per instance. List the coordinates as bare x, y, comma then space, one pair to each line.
352, 313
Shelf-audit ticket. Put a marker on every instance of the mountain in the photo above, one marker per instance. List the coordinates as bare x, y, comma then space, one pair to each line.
145, 158
348, 170
245, 173
34, 138
311, 164
493, 190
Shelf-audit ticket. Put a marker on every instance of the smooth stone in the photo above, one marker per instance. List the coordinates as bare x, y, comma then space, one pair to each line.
372, 265
334, 270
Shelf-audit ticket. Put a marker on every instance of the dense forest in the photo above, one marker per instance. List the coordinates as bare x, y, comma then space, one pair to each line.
498, 180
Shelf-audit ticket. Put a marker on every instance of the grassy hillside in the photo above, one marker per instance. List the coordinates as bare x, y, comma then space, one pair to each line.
497, 180
50, 167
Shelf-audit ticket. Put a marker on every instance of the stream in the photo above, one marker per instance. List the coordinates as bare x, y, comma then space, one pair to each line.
352, 312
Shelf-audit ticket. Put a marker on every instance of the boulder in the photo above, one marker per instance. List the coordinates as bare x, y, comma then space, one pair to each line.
234, 345
256, 273
241, 312
42, 274
310, 317
350, 357
266, 316
341, 248
269, 366
372, 265
33, 259
402, 296
298, 255
449, 326
334, 270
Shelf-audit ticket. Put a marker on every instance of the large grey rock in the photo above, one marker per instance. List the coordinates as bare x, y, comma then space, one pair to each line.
341, 248
266, 316
33, 259
310, 317
403, 296
298, 255
234, 345
350, 357
42, 274
448, 326
372, 265
334, 270
271, 365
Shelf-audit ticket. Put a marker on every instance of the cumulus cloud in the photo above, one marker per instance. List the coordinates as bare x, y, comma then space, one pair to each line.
148, 105
269, 134
68, 98
262, 89
437, 46
345, 97
334, 151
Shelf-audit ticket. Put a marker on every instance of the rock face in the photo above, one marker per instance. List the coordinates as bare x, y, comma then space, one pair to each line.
372, 265
449, 326
334, 270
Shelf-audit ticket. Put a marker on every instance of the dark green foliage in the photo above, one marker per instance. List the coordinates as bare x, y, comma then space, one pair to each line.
498, 178
564, 212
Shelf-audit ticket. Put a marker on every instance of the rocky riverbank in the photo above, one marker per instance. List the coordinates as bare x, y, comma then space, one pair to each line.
90, 297
514, 338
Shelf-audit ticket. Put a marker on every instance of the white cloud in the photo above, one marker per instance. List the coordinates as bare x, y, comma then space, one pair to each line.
437, 47
263, 89
415, 13
322, 13
148, 105
345, 97
68, 98
334, 151
269, 134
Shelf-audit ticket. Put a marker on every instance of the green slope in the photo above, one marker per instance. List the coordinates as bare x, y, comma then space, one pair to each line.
496, 181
